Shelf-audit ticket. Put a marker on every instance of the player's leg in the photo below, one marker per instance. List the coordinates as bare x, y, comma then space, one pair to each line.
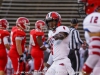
14, 61
38, 65
61, 69
96, 70
68, 66
89, 64
9, 67
51, 70
18, 67
3, 62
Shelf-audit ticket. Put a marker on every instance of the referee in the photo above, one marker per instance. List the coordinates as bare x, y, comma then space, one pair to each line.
74, 45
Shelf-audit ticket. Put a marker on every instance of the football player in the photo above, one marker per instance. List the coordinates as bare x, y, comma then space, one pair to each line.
4, 35
36, 46
91, 25
53, 20
61, 64
18, 38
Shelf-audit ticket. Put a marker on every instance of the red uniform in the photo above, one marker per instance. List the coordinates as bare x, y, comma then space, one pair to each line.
3, 54
36, 52
13, 54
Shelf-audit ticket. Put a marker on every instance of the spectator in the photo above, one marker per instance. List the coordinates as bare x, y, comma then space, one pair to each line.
83, 49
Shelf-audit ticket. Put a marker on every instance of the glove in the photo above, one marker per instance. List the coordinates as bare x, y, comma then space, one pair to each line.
46, 44
21, 59
28, 56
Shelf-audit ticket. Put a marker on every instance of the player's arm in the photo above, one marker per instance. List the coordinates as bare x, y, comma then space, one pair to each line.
60, 36
31, 43
18, 41
40, 42
6, 43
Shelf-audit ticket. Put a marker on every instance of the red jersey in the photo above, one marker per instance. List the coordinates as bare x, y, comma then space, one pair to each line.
35, 47
3, 33
15, 32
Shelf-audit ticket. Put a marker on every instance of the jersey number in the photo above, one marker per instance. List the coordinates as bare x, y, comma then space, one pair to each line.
94, 19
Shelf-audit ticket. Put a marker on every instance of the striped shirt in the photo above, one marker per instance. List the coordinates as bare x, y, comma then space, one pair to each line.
75, 41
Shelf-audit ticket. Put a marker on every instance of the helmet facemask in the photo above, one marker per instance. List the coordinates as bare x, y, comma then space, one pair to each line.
44, 28
82, 7
27, 27
7, 26
52, 24
53, 20
41, 25
90, 6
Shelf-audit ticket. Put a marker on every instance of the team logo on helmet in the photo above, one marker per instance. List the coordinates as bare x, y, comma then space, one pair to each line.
23, 23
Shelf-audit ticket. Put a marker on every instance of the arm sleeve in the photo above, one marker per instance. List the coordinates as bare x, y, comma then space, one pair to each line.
39, 33
77, 37
31, 42
50, 59
19, 38
5, 40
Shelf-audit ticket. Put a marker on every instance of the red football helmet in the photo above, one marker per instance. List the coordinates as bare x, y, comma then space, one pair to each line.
90, 5
4, 23
23, 22
53, 16
40, 25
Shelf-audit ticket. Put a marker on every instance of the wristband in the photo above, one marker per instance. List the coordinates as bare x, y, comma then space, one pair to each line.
42, 46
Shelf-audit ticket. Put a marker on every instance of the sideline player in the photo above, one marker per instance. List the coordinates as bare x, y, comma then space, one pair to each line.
4, 34
18, 38
36, 46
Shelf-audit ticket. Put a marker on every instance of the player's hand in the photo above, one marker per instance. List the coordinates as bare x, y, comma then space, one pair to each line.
43, 47
21, 59
44, 70
46, 44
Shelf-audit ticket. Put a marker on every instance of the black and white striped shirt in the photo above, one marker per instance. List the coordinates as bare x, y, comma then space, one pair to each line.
75, 41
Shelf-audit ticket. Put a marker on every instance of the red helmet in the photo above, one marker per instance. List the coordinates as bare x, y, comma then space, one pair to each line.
40, 25
90, 5
53, 16
4, 23
23, 22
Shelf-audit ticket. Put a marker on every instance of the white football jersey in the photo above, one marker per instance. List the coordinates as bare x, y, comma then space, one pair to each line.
92, 22
51, 40
50, 33
61, 47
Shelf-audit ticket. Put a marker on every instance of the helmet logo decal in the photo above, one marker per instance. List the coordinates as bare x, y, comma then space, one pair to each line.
64, 28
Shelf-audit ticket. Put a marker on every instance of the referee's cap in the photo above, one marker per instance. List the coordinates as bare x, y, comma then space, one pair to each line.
74, 21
